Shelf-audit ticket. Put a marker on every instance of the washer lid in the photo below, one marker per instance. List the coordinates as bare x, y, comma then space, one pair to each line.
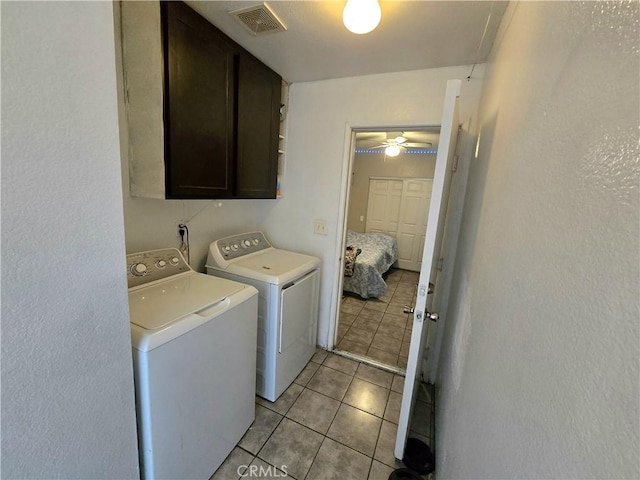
162, 303
273, 265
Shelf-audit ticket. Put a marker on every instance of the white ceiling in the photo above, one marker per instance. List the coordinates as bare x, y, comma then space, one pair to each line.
412, 35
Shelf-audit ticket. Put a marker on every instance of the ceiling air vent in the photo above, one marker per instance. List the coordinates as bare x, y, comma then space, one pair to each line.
259, 19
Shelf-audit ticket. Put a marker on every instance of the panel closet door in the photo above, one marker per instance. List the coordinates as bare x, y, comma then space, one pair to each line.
399, 208
383, 205
412, 224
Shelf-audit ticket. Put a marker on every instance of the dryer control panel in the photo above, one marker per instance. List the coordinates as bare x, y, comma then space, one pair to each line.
229, 248
146, 267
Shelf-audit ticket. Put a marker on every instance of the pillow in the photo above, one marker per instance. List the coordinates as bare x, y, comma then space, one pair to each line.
352, 251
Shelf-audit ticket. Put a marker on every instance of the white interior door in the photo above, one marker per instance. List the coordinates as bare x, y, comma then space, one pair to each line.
412, 225
399, 208
383, 205
435, 226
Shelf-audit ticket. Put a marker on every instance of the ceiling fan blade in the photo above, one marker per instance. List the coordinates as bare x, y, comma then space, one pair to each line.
417, 145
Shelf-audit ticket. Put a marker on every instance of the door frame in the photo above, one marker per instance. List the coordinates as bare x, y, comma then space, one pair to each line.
457, 194
348, 156
345, 191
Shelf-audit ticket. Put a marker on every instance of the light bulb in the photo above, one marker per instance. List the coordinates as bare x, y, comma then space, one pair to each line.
361, 16
392, 151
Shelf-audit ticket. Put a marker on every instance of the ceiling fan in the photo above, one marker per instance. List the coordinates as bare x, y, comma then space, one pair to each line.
393, 146
397, 142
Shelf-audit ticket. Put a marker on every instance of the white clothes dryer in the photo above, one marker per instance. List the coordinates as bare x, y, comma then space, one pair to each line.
288, 284
193, 339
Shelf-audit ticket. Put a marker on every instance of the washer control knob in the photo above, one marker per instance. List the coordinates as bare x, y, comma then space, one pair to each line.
161, 263
174, 260
226, 249
234, 247
246, 243
138, 269
256, 241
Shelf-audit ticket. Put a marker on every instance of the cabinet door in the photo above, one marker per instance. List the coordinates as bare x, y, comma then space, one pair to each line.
199, 109
258, 124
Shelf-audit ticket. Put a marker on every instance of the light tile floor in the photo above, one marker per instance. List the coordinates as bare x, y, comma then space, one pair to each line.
338, 420
378, 328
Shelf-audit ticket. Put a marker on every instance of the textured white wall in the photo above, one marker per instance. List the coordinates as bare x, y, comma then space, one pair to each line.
540, 368
319, 113
67, 380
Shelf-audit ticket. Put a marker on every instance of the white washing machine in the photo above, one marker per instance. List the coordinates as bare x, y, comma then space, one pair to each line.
288, 284
193, 339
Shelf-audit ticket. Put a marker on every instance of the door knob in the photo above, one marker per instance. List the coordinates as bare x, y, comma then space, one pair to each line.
431, 316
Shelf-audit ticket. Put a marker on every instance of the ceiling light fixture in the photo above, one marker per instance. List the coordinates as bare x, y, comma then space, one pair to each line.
392, 151
361, 16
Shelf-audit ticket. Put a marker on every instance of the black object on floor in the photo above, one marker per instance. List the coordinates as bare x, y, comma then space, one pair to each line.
404, 474
418, 456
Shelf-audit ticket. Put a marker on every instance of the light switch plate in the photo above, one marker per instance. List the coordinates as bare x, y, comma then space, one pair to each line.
320, 227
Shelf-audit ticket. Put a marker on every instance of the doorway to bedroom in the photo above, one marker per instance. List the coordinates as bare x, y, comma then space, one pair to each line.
387, 209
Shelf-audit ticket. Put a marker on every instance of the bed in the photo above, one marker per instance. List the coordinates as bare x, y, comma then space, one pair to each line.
377, 253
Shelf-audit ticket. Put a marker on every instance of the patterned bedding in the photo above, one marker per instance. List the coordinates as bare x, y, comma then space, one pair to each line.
378, 253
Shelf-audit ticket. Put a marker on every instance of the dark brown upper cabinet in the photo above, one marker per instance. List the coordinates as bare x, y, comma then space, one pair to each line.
199, 105
219, 107
258, 126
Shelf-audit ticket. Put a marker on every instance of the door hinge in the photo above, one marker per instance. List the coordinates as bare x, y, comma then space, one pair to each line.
454, 168
440, 264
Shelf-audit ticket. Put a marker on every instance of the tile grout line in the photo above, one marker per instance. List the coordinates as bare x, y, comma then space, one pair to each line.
342, 402
372, 457
273, 431
385, 311
375, 447
325, 435
332, 420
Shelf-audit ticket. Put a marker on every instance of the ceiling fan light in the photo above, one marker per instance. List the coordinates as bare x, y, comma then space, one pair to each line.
361, 16
400, 139
392, 151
